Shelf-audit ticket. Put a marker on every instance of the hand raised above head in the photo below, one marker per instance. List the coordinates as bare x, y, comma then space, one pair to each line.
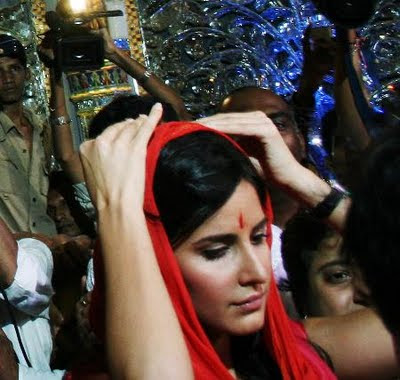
114, 163
319, 51
259, 137
109, 47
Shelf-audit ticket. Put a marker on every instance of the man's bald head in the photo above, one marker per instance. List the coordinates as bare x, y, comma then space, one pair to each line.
249, 99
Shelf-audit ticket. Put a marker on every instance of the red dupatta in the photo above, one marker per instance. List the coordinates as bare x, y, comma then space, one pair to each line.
285, 341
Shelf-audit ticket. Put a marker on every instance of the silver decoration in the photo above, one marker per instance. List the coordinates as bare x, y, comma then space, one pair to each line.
206, 49
381, 57
8, 3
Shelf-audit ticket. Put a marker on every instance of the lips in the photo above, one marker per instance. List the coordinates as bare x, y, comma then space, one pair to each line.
9, 89
252, 303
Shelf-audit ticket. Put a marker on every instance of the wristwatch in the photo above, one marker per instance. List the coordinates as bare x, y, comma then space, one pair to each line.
325, 208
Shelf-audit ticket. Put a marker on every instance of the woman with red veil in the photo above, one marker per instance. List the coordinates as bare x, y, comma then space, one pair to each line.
151, 316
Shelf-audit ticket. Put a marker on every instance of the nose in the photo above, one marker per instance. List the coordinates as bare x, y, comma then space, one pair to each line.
59, 214
254, 268
6, 76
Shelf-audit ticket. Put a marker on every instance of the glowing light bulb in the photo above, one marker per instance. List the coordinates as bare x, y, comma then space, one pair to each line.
78, 6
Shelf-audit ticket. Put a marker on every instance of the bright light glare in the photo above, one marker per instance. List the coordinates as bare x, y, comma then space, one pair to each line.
78, 6
316, 141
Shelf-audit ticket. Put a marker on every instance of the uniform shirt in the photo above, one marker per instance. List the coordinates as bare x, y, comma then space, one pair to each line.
30, 294
24, 178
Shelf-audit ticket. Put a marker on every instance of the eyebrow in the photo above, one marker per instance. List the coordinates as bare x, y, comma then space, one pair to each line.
333, 263
227, 238
276, 115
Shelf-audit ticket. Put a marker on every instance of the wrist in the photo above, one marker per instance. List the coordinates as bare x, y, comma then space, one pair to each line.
326, 207
119, 214
58, 121
307, 187
114, 54
310, 82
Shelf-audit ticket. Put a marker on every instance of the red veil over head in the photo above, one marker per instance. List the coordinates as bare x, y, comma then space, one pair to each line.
285, 340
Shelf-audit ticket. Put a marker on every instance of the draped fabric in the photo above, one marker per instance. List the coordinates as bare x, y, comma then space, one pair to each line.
285, 341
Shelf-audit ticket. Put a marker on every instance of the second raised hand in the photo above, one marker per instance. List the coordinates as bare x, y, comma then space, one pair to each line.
118, 151
276, 159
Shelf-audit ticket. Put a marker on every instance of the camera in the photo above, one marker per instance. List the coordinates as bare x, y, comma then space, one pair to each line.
75, 47
348, 14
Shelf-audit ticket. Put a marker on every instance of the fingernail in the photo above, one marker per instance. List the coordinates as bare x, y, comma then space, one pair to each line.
158, 105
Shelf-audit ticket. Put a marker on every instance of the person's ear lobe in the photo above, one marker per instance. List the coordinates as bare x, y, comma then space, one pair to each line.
28, 74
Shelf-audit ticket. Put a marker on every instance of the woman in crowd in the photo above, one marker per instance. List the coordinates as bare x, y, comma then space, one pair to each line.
320, 277
208, 219
206, 222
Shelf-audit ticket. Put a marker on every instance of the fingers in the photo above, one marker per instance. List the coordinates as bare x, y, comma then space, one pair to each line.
151, 122
123, 131
233, 117
242, 123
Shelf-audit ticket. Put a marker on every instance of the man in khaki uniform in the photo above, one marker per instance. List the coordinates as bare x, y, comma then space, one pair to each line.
23, 172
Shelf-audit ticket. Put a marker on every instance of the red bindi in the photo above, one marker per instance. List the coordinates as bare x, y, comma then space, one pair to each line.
241, 221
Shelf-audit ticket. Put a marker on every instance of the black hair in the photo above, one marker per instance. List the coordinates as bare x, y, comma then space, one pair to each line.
301, 239
12, 48
373, 226
127, 107
251, 359
195, 176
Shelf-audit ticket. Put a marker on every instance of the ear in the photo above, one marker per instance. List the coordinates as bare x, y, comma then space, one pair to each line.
28, 74
302, 145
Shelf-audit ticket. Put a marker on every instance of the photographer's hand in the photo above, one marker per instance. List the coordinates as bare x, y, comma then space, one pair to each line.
46, 49
319, 56
61, 129
149, 81
110, 50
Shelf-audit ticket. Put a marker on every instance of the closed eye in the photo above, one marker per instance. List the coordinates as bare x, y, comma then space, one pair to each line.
214, 253
259, 238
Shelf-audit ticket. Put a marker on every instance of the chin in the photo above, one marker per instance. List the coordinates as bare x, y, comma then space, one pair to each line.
12, 99
70, 230
249, 324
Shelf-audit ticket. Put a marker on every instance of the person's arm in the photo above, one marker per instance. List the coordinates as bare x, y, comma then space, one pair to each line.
319, 57
8, 359
64, 149
8, 256
31, 290
359, 345
143, 335
349, 119
60, 122
28, 373
277, 161
149, 81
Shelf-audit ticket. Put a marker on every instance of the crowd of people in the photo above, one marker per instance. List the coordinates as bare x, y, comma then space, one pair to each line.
175, 248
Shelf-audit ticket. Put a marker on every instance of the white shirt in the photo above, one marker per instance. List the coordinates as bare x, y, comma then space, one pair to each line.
276, 255
30, 295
